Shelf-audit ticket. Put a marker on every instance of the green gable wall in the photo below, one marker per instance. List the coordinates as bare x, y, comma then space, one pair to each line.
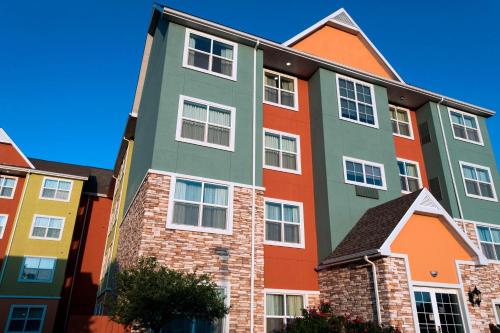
166, 80
338, 207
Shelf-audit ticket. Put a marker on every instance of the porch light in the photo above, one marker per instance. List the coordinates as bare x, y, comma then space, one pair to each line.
289, 63
475, 296
434, 274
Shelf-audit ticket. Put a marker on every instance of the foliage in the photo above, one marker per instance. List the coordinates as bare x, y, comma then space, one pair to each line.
494, 328
322, 320
150, 295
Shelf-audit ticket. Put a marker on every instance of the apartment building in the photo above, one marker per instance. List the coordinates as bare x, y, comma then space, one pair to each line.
302, 171
51, 239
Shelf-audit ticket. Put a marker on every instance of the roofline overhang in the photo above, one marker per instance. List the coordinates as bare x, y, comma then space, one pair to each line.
128, 135
185, 19
40, 172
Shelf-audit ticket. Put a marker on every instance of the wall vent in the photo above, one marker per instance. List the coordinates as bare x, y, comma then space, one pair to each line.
344, 19
366, 192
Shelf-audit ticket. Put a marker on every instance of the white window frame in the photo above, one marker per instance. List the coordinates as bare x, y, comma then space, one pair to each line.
410, 125
13, 189
232, 129
41, 197
170, 213
298, 154
20, 278
295, 93
418, 170
50, 217
345, 159
185, 64
301, 244
374, 102
496, 302
42, 321
227, 286
6, 218
480, 135
472, 165
479, 241
284, 293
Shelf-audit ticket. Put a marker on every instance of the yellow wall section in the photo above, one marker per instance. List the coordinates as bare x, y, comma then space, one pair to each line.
344, 48
431, 245
22, 245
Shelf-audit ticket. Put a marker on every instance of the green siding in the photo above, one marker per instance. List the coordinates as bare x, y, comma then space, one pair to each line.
337, 207
166, 80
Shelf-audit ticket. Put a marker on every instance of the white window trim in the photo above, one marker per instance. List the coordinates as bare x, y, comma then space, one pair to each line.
480, 143
370, 163
208, 71
226, 285
5, 226
178, 131
420, 185
285, 292
13, 189
299, 245
479, 241
410, 124
20, 279
170, 213
45, 238
296, 137
42, 321
374, 102
41, 197
295, 93
462, 164
494, 303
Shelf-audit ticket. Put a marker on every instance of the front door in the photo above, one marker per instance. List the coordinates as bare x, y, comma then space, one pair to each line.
438, 311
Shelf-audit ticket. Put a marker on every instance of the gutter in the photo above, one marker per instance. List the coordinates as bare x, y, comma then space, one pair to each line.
375, 286
42, 172
346, 259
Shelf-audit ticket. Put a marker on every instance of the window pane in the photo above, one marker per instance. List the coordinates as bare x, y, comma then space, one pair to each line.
404, 129
291, 213
472, 187
48, 193
218, 135
271, 95
20, 312
470, 122
31, 262
55, 223
456, 118
469, 172
287, 84
222, 66
50, 183
413, 184
273, 211
272, 158
64, 185
32, 326
223, 50
486, 190
6, 192
194, 111
484, 234
198, 59
44, 274
273, 231
272, 141
53, 233
287, 99
274, 325
472, 135
199, 43
402, 116
292, 233
219, 117
294, 305
483, 175
185, 213
41, 221
354, 171
214, 217
496, 235
411, 170
193, 130
46, 263
62, 195
215, 194
289, 161
348, 109
497, 250
38, 232
401, 167
395, 129
289, 144
488, 251
275, 305
271, 80
16, 326
188, 190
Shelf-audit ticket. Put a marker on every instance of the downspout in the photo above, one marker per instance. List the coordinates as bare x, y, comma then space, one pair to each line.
375, 286
11, 240
76, 262
450, 165
254, 154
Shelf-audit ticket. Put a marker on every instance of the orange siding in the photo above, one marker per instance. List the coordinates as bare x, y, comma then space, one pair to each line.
94, 324
344, 48
411, 149
431, 245
10, 156
9, 207
284, 267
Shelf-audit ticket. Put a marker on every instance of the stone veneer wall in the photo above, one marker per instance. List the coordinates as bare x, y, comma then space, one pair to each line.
226, 257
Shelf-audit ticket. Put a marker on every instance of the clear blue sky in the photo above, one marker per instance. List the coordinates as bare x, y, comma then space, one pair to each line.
68, 70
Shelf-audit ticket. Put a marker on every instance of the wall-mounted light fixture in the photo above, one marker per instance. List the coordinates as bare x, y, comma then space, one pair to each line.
434, 274
475, 296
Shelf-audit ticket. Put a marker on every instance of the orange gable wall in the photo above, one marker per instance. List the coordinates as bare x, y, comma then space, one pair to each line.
344, 48
409, 149
10, 156
431, 245
285, 267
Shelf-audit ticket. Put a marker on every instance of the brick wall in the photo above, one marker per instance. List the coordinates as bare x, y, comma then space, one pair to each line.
226, 257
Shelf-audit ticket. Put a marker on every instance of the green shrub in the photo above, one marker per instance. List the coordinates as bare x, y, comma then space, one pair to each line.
494, 328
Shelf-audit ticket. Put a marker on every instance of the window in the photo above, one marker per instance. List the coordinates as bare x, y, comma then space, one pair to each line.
438, 310
56, 189
496, 309
209, 54
284, 223
281, 151
477, 181
3, 223
7, 187
359, 172
280, 90
205, 123
26, 318
465, 127
409, 176
401, 123
489, 238
47, 227
281, 309
356, 101
37, 269
201, 206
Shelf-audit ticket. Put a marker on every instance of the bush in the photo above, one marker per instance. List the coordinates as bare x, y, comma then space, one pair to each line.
494, 328
322, 320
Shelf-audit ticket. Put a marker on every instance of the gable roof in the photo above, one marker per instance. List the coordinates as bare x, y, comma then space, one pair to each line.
13, 150
341, 19
379, 226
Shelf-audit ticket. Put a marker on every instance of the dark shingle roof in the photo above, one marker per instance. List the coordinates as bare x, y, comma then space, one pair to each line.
99, 179
373, 228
